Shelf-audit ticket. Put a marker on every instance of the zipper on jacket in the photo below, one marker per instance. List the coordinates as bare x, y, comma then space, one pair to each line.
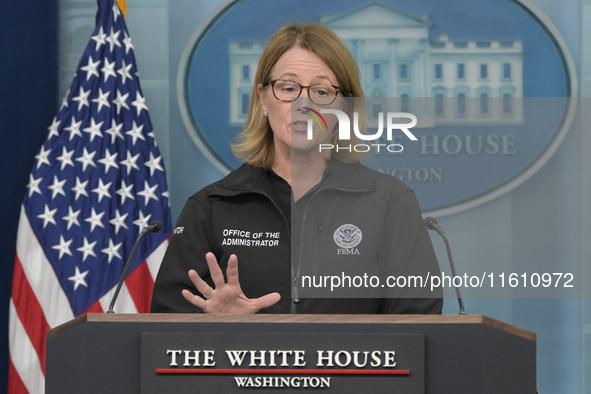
319, 223
296, 277
296, 271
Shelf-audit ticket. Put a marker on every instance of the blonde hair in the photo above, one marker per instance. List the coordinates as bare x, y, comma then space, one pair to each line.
254, 144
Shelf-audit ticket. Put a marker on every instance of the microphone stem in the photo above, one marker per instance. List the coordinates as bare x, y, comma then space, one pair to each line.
125, 270
453, 271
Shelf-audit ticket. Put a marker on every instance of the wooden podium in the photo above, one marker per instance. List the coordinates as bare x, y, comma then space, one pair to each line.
181, 353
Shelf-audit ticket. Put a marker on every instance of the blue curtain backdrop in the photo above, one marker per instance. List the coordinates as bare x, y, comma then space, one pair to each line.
29, 85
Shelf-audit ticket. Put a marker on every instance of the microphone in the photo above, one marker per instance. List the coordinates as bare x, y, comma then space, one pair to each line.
432, 224
153, 227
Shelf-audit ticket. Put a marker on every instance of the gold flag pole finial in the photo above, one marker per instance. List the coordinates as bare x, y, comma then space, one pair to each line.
123, 7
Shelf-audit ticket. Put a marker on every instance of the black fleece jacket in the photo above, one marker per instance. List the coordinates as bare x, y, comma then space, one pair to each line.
357, 227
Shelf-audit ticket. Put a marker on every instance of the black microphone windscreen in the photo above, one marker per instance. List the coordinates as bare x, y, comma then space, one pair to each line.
156, 226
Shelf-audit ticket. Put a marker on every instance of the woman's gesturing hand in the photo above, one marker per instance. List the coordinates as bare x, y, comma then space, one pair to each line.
226, 297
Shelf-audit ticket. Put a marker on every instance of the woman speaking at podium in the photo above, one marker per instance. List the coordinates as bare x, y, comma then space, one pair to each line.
298, 229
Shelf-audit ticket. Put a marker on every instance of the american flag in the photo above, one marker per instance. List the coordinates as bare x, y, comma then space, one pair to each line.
97, 181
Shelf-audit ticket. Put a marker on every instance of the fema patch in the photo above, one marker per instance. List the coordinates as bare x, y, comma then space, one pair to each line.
347, 236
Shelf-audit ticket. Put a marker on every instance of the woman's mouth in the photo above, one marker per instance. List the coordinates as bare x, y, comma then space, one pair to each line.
299, 126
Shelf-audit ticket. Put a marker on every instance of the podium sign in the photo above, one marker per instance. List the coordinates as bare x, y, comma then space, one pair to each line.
194, 353
289, 361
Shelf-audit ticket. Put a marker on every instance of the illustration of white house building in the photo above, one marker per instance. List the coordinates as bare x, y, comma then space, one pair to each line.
461, 81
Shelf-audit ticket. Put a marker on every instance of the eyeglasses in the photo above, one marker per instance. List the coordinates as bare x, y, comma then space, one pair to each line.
286, 90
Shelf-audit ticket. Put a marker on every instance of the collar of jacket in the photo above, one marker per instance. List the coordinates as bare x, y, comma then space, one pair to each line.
338, 175
347, 177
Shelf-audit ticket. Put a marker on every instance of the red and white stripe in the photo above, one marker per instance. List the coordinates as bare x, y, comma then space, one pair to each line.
38, 304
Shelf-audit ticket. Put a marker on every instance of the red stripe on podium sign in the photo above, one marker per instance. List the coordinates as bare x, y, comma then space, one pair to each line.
284, 371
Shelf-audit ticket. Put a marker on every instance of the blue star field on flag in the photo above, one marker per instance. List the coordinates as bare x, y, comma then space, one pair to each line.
98, 179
